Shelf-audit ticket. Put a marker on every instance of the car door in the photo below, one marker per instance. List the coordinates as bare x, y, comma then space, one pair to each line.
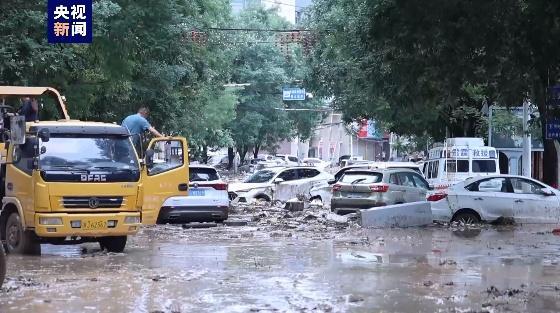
407, 184
165, 175
491, 198
531, 205
422, 186
396, 191
283, 191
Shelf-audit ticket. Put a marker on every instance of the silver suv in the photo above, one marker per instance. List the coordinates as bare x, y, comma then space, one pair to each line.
363, 189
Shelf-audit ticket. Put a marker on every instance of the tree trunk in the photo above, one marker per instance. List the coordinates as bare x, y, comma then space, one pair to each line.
256, 151
242, 153
205, 154
231, 156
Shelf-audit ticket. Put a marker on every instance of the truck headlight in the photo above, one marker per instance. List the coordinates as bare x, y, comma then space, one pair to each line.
50, 220
132, 220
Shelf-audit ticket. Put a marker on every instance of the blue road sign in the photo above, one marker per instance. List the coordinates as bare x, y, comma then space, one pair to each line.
293, 94
553, 129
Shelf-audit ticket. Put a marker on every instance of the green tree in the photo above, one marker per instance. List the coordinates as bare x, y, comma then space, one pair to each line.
427, 65
260, 120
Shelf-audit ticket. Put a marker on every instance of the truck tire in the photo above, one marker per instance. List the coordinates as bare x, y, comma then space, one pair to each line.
113, 244
2, 266
18, 240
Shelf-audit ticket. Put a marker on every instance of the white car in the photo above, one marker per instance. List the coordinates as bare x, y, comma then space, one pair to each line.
489, 198
289, 160
207, 199
318, 163
322, 192
277, 183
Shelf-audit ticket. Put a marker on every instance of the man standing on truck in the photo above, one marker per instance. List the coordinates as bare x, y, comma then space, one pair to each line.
137, 124
30, 109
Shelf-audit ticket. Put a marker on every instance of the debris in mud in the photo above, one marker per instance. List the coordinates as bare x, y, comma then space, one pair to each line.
447, 262
351, 298
497, 293
14, 284
158, 277
428, 283
199, 225
235, 222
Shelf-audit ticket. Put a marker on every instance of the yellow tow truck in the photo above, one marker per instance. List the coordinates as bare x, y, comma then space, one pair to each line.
70, 181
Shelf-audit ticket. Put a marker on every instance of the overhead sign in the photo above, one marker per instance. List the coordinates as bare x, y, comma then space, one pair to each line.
553, 129
293, 94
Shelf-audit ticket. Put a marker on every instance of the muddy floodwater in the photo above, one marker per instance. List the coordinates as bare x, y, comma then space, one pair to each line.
260, 269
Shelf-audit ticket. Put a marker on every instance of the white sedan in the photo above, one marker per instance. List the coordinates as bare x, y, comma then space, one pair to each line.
277, 183
489, 198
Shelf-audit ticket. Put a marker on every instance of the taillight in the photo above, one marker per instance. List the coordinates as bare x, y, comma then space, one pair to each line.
336, 187
436, 196
379, 188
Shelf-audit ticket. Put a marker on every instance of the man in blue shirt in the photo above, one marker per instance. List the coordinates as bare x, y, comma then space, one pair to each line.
137, 124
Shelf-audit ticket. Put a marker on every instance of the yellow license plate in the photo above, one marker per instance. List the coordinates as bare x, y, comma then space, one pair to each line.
94, 224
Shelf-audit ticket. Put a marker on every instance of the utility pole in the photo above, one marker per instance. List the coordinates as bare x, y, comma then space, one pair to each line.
526, 141
490, 109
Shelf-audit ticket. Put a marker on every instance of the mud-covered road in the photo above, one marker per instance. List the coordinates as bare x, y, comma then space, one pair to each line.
296, 264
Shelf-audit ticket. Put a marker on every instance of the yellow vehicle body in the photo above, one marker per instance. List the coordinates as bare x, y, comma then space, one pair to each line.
67, 205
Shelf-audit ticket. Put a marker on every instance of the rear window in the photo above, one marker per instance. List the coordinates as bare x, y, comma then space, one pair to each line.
361, 178
484, 166
293, 159
202, 174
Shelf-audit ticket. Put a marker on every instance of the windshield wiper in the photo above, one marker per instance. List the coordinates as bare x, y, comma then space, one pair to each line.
65, 167
114, 168
357, 181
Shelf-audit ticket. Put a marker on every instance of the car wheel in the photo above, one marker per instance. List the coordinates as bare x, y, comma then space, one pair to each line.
113, 244
18, 240
316, 201
466, 218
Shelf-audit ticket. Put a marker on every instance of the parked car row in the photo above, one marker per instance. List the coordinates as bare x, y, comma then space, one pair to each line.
363, 186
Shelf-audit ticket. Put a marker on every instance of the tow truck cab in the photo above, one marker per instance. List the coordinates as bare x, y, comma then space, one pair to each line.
72, 181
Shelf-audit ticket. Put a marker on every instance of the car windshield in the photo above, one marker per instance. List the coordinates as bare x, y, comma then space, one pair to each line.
361, 178
88, 153
260, 177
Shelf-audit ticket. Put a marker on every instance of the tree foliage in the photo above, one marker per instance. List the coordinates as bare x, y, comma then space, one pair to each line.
429, 65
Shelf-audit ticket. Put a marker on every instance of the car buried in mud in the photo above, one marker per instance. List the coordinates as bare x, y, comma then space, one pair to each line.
277, 183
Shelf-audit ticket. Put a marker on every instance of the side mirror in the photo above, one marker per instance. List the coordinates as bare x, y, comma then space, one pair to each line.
278, 181
331, 181
546, 192
44, 134
17, 130
43, 150
149, 157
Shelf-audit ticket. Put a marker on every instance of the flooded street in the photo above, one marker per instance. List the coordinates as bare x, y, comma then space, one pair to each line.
260, 268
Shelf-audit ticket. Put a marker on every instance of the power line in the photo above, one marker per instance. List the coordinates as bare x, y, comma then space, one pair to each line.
283, 3
259, 29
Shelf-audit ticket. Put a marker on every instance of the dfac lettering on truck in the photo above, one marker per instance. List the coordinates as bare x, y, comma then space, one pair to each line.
70, 181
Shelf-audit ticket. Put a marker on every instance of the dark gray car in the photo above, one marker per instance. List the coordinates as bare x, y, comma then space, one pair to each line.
363, 189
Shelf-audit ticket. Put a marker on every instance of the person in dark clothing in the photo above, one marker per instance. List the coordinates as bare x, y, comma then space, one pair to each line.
30, 109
